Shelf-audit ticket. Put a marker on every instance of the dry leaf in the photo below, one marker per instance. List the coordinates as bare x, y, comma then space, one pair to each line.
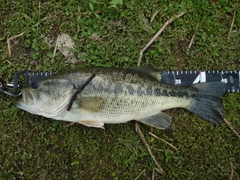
65, 44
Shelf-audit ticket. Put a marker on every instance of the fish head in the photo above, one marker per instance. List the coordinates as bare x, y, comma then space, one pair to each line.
49, 97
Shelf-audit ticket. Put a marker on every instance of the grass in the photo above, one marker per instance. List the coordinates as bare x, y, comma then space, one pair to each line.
34, 147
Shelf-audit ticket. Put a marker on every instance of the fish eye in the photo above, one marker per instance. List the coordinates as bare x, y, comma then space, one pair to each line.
35, 85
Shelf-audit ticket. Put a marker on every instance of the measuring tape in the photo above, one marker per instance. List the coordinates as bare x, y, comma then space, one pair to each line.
187, 78
176, 78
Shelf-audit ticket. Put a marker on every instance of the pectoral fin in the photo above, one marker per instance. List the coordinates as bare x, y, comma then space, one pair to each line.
160, 121
89, 123
90, 104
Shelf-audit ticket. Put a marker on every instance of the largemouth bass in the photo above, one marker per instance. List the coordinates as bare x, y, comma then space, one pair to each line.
117, 95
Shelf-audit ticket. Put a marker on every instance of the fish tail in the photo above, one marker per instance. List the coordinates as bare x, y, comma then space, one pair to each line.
207, 101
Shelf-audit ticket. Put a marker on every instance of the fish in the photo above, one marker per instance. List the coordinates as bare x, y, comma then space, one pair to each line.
119, 95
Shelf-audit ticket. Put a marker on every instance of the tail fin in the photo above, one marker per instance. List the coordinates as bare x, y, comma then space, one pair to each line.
208, 101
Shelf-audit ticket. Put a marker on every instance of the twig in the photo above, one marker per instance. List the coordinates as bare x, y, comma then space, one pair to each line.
154, 15
36, 25
192, 39
39, 9
14, 162
232, 170
230, 126
13, 37
159, 169
9, 42
153, 174
140, 174
163, 141
233, 19
70, 124
157, 34
138, 129
55, 49
10, 63
2, 168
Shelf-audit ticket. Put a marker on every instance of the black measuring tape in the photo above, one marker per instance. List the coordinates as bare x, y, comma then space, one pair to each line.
187, 78
177, 78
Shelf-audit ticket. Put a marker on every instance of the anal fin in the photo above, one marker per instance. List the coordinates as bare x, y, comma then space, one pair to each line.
161, 121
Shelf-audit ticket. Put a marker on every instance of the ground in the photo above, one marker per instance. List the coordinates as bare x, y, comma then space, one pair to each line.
112, 33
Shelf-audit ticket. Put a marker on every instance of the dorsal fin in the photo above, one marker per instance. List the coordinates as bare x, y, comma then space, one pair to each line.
149, 71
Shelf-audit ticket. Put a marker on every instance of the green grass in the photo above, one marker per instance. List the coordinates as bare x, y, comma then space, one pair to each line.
34, 147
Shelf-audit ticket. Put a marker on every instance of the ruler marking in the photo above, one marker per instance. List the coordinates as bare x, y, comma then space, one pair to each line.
203, 77
231, 79
239, 77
